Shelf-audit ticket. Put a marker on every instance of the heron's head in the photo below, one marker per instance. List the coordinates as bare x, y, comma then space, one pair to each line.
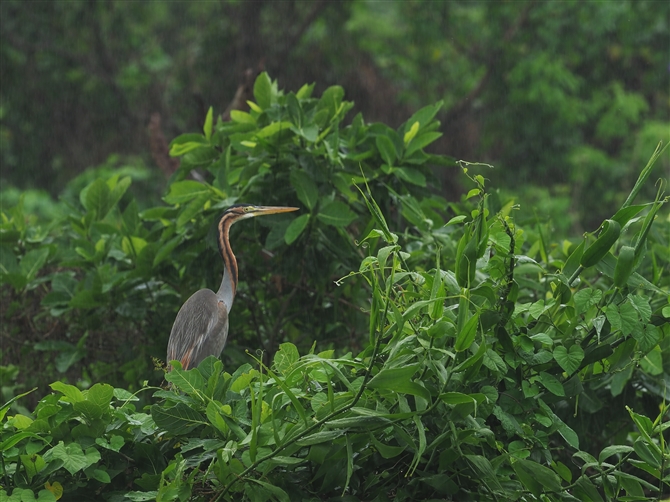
243, 211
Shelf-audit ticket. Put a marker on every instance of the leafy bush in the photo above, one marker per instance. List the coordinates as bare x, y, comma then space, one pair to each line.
490, 355
92, 295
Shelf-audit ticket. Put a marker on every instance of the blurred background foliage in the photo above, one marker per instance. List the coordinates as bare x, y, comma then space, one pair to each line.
565, 99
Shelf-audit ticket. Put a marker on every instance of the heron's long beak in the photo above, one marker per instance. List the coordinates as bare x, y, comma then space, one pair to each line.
263, 210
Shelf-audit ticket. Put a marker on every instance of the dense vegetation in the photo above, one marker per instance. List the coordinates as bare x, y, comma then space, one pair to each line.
400, 347
564, 98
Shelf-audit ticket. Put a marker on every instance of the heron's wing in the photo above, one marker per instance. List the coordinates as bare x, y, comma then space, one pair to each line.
200, 329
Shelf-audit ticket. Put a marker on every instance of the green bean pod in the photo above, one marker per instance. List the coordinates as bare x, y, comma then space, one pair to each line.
608, 236
624, 266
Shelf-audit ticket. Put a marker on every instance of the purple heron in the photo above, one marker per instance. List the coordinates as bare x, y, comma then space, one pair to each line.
201, 326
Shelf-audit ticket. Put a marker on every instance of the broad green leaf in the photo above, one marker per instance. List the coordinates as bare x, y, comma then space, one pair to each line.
285, 357
647, 337
263, 91
421, 141
272, 129
624, 317
192, 208
32, 262
624, 214
14, 439
483, 467
295, 228
189, 381
33, 464
467, 334
386, 149
648, 452
399, 380
305, 188
96, 198
425, 115
387, 451
242, 117
73, 394
652, 362
562, 470
336, 214
410, 175
567, 433
117, 188
641, 305
177, 150
586, 298
90, 411
74, 458
184, 191
21, 421
536, 477
100, 394
133, 246
551, 383
242, 382
209, 121
585, 490
177, 420
570, 359
616, 449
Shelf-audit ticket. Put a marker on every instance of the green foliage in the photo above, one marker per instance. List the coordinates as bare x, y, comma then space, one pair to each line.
500, 383
111, 274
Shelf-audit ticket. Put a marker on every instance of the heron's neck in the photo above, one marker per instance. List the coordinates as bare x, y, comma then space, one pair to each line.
226, 292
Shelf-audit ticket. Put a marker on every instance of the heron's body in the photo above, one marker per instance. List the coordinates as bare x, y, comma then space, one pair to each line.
205, 317
201, 326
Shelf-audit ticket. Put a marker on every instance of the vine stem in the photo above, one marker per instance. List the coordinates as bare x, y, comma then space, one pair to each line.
318, 424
